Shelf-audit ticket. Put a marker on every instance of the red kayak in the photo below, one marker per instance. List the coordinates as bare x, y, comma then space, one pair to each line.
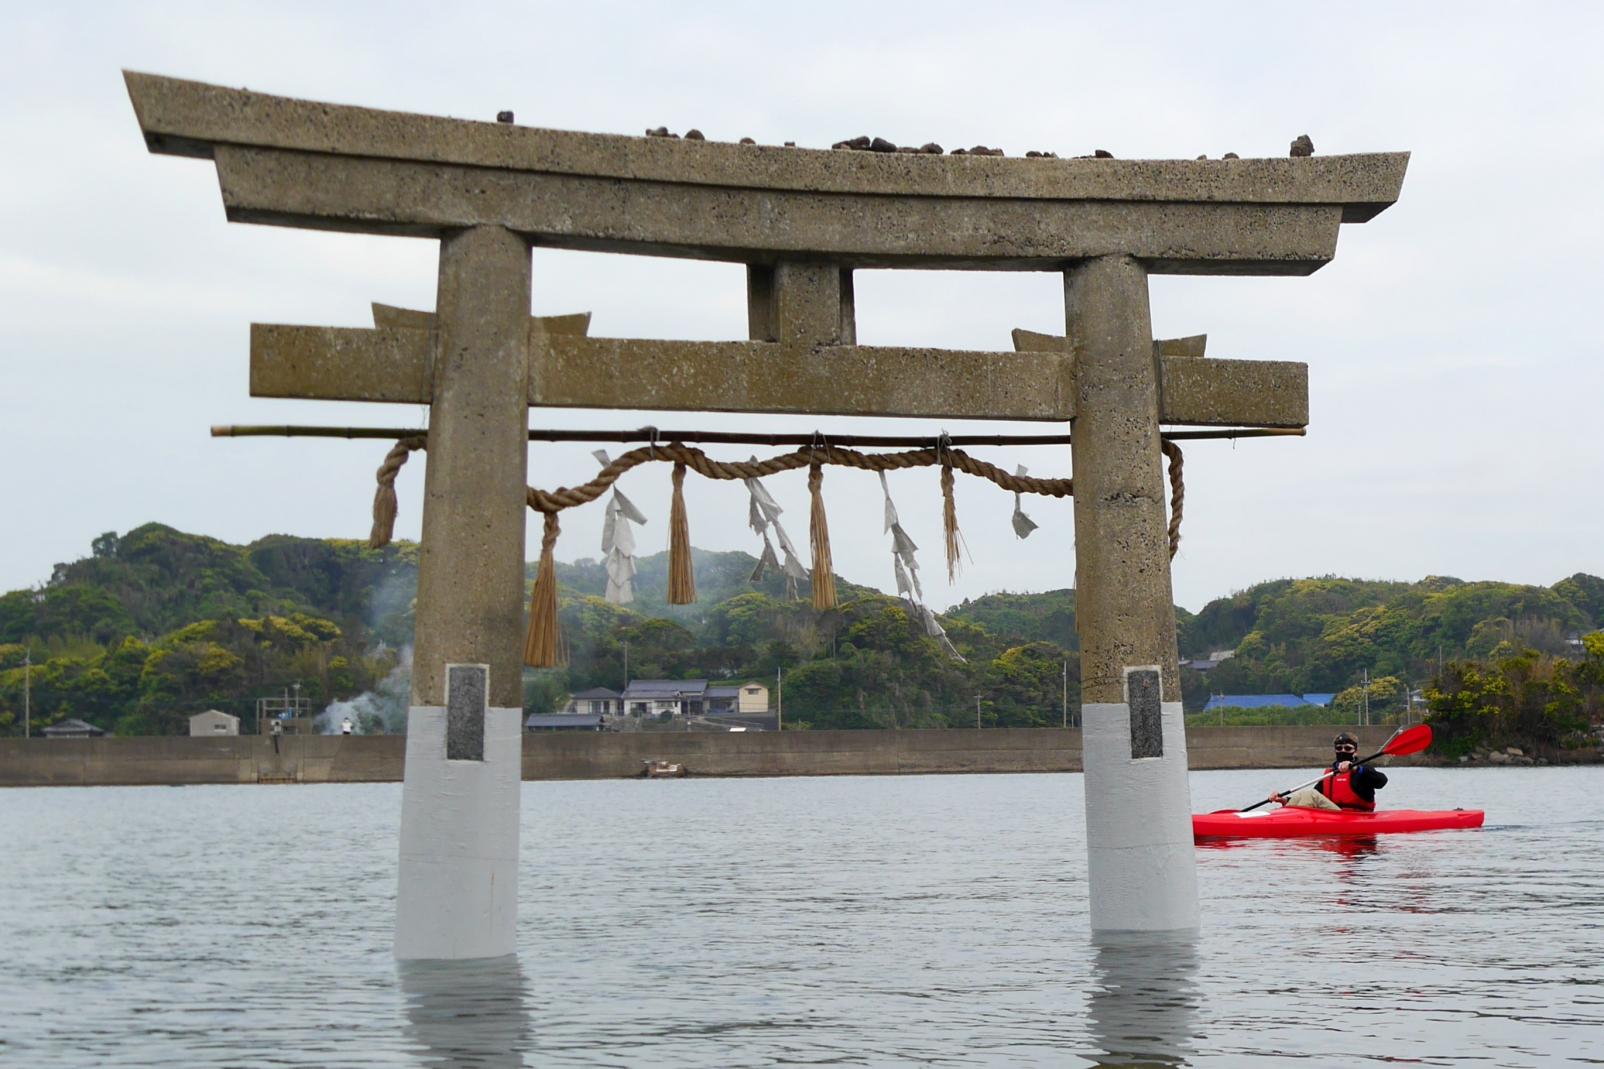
1292, 822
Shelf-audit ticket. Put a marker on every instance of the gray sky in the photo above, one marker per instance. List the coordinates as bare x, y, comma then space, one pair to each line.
1453, 353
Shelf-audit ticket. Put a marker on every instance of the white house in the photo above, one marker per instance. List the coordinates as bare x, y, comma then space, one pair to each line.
596, 701
754, 698
213, 722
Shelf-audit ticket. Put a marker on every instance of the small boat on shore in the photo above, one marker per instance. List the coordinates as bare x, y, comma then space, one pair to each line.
1293, 822
662, 770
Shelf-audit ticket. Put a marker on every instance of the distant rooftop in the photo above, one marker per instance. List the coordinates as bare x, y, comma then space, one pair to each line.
562, 720
642, 689
1265, 701
71, 727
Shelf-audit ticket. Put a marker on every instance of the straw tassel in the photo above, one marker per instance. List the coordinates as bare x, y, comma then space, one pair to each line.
819, 530
1177, 494
681, 578
385, 505
949, 523
543, 643
385, 508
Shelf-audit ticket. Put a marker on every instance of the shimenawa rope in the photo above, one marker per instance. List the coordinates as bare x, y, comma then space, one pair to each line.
543, 645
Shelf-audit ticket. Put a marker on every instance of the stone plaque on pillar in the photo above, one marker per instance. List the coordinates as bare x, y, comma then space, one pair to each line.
467, 695
1143, 693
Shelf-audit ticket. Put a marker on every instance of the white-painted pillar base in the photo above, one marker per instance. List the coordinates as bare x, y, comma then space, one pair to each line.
1141, 863
457, 895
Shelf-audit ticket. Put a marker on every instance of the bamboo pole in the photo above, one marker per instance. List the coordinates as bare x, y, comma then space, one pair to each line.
652, 434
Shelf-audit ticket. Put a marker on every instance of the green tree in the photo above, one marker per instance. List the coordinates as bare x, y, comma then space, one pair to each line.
1025, 685
1526, 697
1383, 697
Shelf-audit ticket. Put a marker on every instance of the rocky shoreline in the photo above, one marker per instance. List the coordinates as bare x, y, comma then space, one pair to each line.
1521, 756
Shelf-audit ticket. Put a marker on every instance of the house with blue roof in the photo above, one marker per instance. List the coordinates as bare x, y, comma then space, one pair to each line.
1266, 701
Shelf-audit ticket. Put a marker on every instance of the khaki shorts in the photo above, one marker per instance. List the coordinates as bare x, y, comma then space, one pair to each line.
1309, 798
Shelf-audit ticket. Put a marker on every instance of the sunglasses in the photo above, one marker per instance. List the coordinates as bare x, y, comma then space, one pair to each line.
1347, 749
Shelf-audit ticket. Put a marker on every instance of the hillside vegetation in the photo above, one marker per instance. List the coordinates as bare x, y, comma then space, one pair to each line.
158, 624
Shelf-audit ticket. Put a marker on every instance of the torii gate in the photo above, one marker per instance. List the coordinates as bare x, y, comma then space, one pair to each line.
802, 221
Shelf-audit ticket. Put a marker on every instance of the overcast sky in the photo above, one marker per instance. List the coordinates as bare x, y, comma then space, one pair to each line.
1453, 346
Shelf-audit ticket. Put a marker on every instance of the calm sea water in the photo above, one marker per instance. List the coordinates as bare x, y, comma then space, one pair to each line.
933, 920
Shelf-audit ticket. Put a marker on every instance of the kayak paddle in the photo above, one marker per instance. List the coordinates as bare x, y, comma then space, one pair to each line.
1404, 742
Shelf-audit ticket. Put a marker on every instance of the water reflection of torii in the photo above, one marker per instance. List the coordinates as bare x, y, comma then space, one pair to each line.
467, 1013
1142, 1010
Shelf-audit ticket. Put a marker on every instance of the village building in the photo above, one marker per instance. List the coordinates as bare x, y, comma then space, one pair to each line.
72, 728
1266, 701
565, 722
744, 706
597, 701
673, 697
213, 722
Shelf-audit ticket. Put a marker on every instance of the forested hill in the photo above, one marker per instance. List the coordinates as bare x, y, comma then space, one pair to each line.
157, 624
1300, 635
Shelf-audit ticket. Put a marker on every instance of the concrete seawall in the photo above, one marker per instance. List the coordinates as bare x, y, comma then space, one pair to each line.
593, 755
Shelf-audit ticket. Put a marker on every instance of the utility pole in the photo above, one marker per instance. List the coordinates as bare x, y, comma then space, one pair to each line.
977, 712
27, 692
779, 699
1364, 708
1066, 694
626, 664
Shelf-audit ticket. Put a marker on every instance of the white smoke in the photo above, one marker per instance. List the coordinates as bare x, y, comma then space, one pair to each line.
380, 711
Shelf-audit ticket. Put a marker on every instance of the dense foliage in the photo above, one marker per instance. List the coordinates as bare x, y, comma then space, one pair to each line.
866, 663
1319, 635
158, 624
1521, 696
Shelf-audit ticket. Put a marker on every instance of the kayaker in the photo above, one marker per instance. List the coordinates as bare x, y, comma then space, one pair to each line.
1345, 786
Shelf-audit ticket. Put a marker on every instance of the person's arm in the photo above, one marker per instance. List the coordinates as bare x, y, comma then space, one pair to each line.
1370, 777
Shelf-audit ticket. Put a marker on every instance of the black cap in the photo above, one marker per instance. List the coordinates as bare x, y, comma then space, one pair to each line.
1344, 737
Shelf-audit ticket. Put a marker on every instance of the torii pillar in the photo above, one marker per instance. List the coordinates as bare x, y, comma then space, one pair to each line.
1140, 856
457, 895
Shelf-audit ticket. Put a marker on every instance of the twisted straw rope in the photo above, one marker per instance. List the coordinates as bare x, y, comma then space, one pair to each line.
566, 497
699, 462
1177, 493
384, 502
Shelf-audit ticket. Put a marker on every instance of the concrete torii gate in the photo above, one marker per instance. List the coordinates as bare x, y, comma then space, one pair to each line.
802, 221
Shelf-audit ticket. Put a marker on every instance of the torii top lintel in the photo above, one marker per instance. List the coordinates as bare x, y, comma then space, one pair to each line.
299, 163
